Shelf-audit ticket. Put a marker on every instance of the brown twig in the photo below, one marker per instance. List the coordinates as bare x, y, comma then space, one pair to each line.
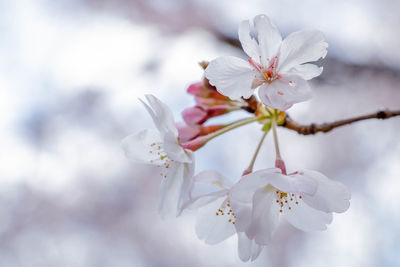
326, 127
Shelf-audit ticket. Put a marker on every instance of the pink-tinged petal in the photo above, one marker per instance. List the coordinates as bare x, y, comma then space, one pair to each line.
249, 44
213, 228
174, 150
187, 132
161, 114
174, 189
306, 218
265, 216
214, 177
247, 249
301, 47
194, 115
205, 199
231, 76
331, 196
284, 92
143, 147
306, 71
269, 38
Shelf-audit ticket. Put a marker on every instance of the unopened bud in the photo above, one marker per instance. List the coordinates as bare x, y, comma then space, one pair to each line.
187, 132
199, 114
200, 89
195, 143
210, 128
195, 115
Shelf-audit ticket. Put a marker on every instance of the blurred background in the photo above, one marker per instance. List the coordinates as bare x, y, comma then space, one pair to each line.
71, 72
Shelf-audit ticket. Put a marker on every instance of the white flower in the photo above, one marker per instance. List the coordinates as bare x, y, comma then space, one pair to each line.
305, 199
162, 148
276, 66
216, 219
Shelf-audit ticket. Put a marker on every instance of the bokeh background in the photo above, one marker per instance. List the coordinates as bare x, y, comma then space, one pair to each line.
71, 72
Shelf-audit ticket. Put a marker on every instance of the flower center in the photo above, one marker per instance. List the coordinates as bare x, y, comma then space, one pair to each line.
285, 200
226, 210
163, 161
267, 74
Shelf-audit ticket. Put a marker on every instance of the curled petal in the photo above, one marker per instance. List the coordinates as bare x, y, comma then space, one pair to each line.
142, 146
231, 76
249, 44
269, 38
247, 249
306, 218
301, 47
331, 196
284, 92
161, 114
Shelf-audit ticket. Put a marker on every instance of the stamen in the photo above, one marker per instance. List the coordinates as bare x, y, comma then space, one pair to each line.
226, 210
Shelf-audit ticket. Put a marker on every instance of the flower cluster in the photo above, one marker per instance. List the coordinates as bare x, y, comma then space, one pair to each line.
252, 207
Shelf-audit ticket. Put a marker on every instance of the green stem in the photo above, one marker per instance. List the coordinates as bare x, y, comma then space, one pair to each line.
253, 160
233, 126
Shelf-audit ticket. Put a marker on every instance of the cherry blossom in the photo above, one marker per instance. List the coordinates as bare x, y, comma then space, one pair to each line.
278, 67
162, 148
306, 199
216, 218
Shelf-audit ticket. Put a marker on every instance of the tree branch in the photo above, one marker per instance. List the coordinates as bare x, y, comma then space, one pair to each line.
326, 127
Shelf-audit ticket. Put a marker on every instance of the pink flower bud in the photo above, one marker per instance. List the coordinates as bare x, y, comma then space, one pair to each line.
199, 114
195, 115
187, 132
199, 89
219, 110
210, 101
196, 143
210, 129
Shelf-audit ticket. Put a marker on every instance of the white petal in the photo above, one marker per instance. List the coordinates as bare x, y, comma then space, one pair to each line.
243, 214
205, 199
232, 76
247, 249
214, 177
137, 146
174, 188
243, 190
269, 38
306, 71
249, 44
174, 149
331, 196
213, 228
265, 216
306, 218
284, 92
161, 114
301, 47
